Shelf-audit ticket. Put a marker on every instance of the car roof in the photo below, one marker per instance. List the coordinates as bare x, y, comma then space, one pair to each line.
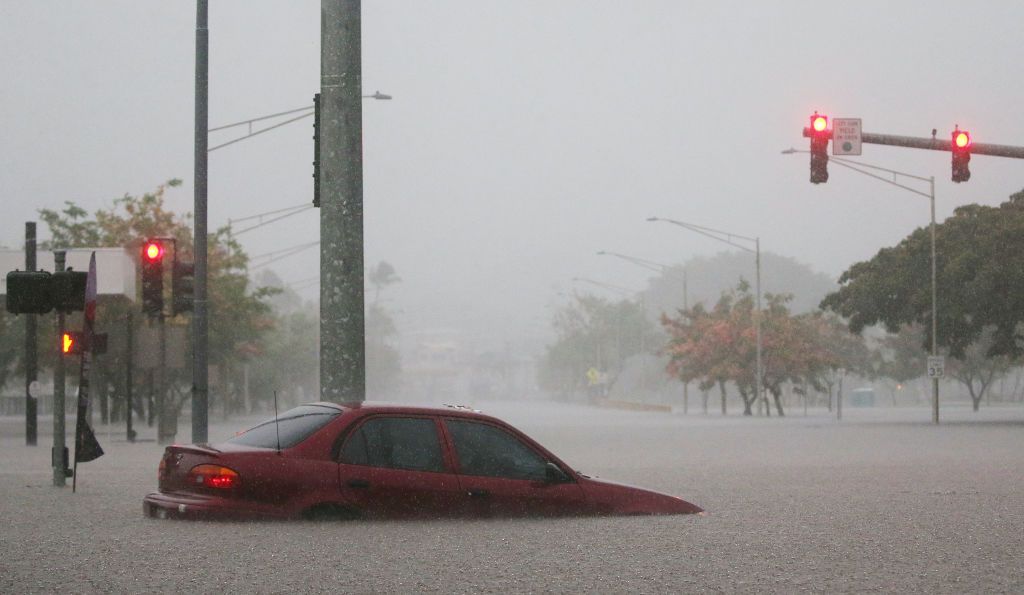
367, 407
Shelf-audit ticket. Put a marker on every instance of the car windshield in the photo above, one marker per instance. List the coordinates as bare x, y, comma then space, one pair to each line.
294, 426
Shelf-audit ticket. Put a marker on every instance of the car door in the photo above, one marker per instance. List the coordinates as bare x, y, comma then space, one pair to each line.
503, 475
395, 466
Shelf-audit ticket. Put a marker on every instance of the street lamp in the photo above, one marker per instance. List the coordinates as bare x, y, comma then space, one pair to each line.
658, 268
728, 238
377, 95
625, 292
855, 166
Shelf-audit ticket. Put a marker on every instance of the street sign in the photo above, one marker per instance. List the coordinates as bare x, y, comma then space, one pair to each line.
936, 366
846, 136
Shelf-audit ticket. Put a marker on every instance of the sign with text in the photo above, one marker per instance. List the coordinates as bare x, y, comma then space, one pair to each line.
936, 366
846, 136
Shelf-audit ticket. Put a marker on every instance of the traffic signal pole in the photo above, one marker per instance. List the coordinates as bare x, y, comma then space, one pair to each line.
31, 363
342, 318
59, 449
129, 381
936, 144
200, 312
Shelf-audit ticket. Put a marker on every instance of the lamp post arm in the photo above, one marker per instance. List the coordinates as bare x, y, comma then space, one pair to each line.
622, 290
888, 181
647, 264
714, 234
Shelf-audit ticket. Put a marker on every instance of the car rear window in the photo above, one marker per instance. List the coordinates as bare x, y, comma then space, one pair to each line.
294, 426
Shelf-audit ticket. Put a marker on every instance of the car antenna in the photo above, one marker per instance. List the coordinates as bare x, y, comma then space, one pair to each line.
277, 425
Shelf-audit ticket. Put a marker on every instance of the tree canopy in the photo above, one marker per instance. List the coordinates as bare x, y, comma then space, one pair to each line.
720, 345
980, 278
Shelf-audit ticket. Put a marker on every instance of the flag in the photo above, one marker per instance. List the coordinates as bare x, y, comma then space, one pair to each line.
87, 448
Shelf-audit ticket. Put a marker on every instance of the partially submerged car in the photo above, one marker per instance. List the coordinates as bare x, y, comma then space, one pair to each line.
385, 460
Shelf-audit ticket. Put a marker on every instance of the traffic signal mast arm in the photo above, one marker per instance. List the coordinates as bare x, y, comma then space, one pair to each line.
935, 144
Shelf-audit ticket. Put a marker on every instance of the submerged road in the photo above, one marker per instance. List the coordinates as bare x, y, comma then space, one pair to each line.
883, 502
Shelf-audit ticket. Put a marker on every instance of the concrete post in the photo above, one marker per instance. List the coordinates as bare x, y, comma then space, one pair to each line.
342, 319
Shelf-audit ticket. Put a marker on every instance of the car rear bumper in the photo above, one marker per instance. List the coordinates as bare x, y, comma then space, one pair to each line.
175, 505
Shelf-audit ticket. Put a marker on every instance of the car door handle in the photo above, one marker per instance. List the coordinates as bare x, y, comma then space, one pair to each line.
478, 493
358, 483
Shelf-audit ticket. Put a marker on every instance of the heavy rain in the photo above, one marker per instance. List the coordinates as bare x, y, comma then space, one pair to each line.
561, 273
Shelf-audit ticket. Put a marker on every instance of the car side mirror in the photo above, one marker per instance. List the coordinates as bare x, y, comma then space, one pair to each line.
554, 474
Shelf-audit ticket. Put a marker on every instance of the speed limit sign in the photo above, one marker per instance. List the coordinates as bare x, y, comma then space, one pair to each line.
936, 366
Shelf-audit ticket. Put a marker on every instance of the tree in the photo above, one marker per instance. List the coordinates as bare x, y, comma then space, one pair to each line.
383, 362
380, 277
903, 356
844, 351
975, 370
980, 265
13, 332
594, 333
239, 316
720, 345
703, 347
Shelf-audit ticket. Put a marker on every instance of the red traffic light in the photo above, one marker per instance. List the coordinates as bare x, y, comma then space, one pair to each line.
153, 251
962, 139
819, 123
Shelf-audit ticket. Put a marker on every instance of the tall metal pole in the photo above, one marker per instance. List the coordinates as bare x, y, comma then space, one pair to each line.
164, 423
342, 318
31, 363
759, 384
856, 166
727, 238
129, 380
58, 455
935, 321
200, 312
686, 385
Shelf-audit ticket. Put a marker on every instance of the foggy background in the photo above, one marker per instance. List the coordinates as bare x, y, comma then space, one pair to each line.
523, 136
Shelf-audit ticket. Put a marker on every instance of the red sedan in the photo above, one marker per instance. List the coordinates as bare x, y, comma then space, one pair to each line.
379, 460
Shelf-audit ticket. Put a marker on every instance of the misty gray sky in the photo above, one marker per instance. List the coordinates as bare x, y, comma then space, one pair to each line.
524, 136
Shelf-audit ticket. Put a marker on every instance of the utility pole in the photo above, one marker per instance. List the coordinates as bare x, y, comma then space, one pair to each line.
686, 385
164, 424
59, 456
342, 319
859, 168
200, 312
31, 361
935, 307
730, 238
129, 380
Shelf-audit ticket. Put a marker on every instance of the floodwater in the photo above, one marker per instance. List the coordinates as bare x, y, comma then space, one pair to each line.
883, 501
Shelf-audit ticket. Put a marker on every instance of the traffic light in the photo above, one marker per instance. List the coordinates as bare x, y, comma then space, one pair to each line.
183, 277
72, 343
28, 292
38, 292
153, 277
67, 289
961, 149
316, 150
820, 134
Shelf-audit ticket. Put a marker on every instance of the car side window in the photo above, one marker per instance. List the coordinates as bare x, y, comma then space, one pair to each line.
488, 450
396, 443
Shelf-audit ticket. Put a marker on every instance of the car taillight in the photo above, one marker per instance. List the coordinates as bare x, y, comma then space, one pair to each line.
214, 476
